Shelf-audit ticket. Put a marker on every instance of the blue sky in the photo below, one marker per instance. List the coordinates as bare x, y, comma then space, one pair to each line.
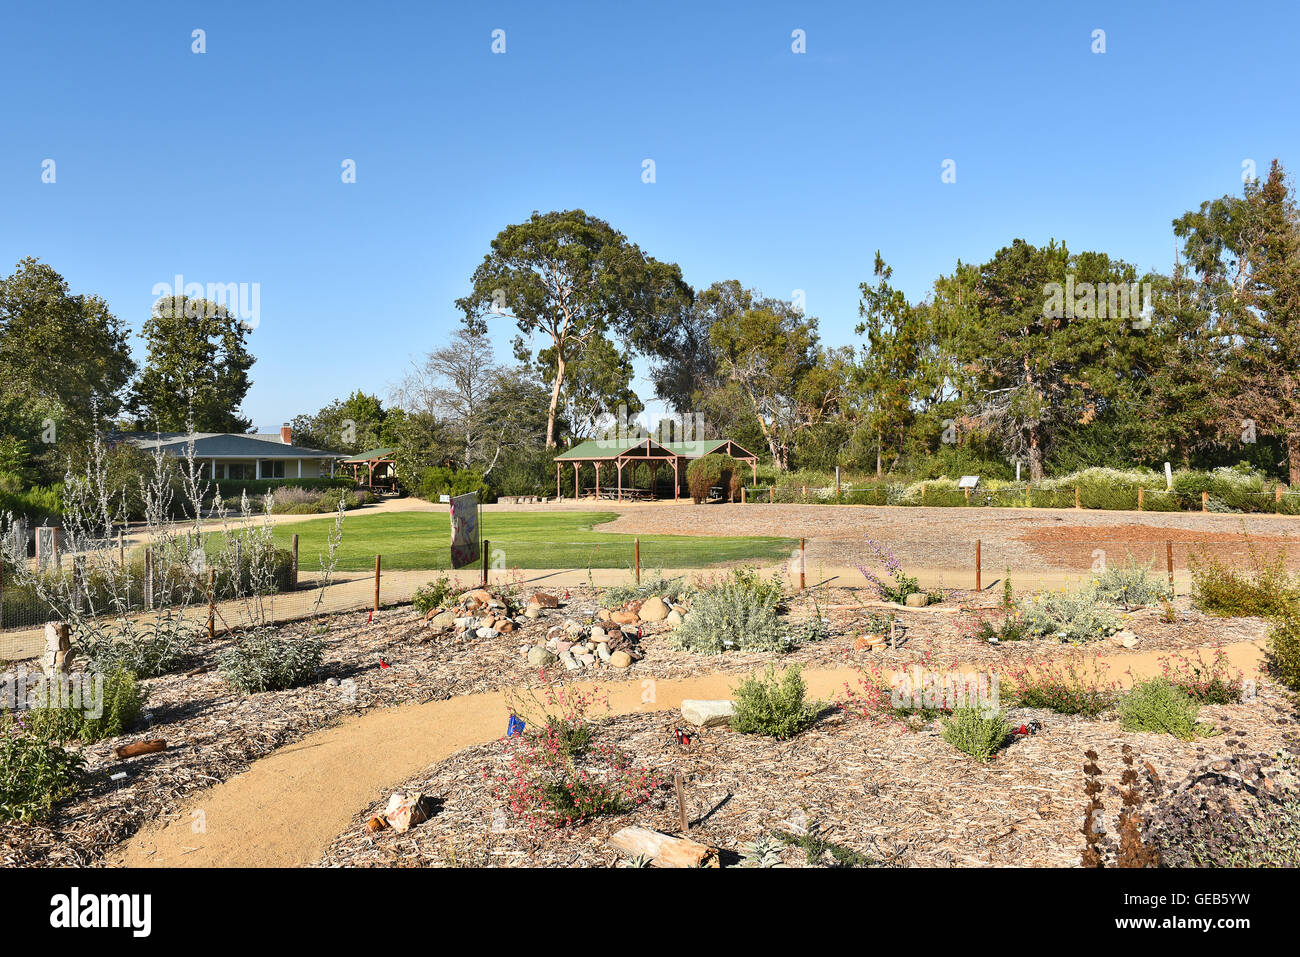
786, 171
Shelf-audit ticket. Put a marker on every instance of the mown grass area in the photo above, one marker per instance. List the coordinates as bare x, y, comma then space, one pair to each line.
422, 540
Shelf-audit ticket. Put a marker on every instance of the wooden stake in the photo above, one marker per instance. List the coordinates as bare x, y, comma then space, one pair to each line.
978, 569
121, 549
1077, 504
1205, 501
377, 564
1141, 496
212, 603
486, 544
1169, 560
636, 553
681, 802
148, 576
295, 559
803, 563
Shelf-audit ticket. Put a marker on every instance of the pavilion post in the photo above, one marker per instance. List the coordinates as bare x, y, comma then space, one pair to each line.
576, 466
618, 463
597, 464
557, 480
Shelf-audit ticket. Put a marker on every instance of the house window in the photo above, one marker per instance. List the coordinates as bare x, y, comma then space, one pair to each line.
236, 471
272, 468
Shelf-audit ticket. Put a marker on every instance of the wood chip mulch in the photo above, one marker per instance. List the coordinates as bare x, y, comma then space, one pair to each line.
901, 797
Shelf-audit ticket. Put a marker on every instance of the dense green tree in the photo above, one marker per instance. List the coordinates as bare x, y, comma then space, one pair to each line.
64, 359
197, 368
570, 277
354, 424
1246, 254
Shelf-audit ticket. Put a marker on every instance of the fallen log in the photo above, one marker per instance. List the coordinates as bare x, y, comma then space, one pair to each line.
664, 850
141, 747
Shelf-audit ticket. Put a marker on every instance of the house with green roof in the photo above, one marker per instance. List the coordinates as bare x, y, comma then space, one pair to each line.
623, 450
231, 455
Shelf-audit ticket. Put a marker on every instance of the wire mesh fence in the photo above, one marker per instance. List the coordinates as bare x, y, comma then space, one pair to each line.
1057, 558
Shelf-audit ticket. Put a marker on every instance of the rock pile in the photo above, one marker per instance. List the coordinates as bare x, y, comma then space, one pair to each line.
480, 612
613, 640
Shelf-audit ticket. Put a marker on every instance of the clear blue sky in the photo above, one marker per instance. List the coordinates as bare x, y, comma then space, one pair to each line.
785, 171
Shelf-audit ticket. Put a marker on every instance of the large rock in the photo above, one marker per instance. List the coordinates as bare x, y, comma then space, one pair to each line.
708, 714
543, 600
654, 609
917, 600
539, 657
444, 619
405, 813
487, 633
620, 659
674, 618
623, 617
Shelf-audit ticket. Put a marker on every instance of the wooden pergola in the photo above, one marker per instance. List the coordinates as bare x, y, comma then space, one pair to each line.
644, 451
374, 460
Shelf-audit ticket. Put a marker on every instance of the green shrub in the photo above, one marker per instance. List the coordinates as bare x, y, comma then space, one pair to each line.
435, 594
1070, 615
430, 483
1284, 650
970, 730
653, 584
1130, 584
35, 771
711, 470
1263, 588
233, 488
735, 615
145, 647
119, 711
265, 660
773, 706
1157, 706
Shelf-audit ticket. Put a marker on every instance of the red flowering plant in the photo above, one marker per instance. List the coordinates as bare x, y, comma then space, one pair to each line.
898, 696
1075, 685
556, 773
1217, 682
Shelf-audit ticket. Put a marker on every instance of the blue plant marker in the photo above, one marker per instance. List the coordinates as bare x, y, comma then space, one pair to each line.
516, 726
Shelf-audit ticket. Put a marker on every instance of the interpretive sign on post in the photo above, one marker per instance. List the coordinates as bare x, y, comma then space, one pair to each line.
464, 530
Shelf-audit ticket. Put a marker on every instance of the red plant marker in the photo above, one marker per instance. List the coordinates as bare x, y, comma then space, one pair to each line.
383, 663
370, 617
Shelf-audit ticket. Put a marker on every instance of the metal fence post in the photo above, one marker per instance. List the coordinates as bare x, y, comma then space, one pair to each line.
978, 570
377, 563
636, 558
1169, 560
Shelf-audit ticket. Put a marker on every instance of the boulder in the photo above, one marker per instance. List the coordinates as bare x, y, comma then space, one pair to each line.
404, 813
654, 609
539, 657
505, 627
623, 617
917, 600
444, 619
597, 633
708, 714
602, 652
620, 659
533, 611
543, 600
674, 618
487, 633
603, 614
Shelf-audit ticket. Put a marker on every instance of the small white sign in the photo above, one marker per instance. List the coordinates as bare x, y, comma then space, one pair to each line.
444, 498
969, 481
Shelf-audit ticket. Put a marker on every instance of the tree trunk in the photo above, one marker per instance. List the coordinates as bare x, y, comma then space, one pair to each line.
1293, 456
555, 399
1035, 456
877, 455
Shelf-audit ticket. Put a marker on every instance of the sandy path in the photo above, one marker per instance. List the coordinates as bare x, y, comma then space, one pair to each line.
287, 807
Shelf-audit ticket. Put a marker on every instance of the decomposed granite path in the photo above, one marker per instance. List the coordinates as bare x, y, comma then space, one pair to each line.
286, 808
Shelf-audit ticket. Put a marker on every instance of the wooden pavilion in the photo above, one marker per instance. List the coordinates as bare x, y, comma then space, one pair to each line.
631, 450
380, 468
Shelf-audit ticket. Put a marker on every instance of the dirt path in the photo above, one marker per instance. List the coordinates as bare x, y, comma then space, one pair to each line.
287, 807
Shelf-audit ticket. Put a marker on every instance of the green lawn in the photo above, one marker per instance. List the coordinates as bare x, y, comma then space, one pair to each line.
422, 540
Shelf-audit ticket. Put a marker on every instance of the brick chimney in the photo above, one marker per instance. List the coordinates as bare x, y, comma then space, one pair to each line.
286, 435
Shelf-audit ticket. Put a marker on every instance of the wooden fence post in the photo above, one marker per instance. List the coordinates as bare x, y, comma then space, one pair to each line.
295, 559
377, 564
148, 576
1169, 560
1141, 497
803, 563
978, 570
636, 558
681, 802
486, 545
212, 603
967, 491
1205, 501
121, 549
1277, 495
1077, 503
